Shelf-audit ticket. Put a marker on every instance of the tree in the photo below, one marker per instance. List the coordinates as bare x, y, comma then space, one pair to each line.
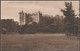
9, 25
68, 12
69, 18
29, 28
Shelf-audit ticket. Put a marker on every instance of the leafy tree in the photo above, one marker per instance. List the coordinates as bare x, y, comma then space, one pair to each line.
9, 25
69, 18
29, 28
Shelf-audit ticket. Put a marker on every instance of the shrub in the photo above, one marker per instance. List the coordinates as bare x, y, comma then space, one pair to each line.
32, 28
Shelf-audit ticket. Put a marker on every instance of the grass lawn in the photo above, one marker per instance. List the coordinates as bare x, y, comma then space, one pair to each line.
38, 41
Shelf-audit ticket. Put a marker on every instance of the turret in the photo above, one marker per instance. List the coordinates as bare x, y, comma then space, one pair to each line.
22, 18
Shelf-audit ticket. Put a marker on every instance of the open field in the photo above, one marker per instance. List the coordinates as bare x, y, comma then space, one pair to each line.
38, 41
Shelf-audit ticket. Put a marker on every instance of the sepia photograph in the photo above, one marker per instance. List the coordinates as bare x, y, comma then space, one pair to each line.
40, 25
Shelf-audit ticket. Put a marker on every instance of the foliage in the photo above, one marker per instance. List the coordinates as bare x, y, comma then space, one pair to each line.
70, 23
31, 28
9, 25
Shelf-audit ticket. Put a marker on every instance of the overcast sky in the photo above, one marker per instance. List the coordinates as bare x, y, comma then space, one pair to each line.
10, 10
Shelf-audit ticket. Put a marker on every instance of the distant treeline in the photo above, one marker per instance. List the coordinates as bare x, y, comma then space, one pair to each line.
9, 25
47, 25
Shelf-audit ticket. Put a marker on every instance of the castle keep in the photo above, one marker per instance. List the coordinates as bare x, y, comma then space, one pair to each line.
26, 18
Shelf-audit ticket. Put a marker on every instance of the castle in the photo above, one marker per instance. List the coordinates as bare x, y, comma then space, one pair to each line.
29, 18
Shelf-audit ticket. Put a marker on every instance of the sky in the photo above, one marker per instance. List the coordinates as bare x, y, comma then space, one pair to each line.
11, 9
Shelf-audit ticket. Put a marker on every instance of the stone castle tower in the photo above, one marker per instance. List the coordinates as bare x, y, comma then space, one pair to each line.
22, 18
34, 17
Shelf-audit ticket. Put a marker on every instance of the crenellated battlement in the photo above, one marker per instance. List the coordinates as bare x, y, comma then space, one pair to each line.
26, 18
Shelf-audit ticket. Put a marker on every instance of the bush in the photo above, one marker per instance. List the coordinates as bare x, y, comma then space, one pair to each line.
32, 28
3, 30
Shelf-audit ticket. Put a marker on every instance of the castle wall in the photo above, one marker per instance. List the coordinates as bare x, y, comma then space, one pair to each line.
25, 18
35, 17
